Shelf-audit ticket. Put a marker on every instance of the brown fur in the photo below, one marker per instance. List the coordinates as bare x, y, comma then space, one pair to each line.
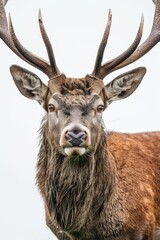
112, 192
95, 185
108, 185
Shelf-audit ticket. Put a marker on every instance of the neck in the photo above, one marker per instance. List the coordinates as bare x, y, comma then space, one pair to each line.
71, 186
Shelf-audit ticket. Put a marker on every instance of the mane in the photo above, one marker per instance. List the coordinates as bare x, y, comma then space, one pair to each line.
71, 186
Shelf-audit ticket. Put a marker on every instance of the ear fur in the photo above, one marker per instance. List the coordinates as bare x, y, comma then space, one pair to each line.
124, 85
28, 83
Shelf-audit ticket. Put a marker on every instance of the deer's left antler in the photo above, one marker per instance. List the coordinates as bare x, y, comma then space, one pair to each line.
133, 53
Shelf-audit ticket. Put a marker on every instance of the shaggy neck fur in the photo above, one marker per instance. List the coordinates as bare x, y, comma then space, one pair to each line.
74, 188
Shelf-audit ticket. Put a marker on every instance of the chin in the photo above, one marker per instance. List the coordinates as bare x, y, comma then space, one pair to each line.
79, 151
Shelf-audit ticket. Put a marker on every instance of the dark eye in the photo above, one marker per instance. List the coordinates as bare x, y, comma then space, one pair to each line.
51, 108
100, 108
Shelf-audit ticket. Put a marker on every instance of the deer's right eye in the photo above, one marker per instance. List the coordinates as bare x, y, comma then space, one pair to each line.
51, 108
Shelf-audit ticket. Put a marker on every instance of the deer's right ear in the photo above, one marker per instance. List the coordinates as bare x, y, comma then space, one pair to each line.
28, 83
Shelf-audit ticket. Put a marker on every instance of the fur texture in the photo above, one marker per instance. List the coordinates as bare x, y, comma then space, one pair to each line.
111, 193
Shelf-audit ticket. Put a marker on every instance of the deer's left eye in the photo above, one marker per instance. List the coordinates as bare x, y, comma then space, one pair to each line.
51, 108
100, 108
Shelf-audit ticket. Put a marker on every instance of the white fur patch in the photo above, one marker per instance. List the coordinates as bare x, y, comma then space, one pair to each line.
74, 151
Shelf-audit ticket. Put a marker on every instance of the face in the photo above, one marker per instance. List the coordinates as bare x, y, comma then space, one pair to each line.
74, 106
75, 122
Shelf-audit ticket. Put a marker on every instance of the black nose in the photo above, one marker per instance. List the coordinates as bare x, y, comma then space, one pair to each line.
76, 138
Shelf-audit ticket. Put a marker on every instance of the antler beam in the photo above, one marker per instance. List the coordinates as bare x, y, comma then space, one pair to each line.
7, 34
134, 52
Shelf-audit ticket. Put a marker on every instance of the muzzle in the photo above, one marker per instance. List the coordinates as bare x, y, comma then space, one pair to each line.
75, 139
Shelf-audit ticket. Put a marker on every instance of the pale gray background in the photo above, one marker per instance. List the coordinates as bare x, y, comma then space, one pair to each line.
75, 28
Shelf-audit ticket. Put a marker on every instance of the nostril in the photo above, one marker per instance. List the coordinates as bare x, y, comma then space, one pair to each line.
76, 139
78, 135
67, 136
84, 136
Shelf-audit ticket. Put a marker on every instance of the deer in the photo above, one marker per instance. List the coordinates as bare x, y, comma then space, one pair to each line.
95, 184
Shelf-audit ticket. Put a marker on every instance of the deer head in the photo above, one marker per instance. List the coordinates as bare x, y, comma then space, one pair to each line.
74, 106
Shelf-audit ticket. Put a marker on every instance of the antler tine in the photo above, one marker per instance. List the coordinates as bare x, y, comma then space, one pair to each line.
111, 65
134, 52
102, 46
7, 34
5, 2
149, 43
4, 31
29, 57
48, 45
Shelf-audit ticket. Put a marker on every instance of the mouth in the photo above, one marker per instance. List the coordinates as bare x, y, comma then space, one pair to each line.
70, 151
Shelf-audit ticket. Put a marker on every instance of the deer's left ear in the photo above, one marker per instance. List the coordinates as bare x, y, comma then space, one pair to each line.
124, 85
28, 83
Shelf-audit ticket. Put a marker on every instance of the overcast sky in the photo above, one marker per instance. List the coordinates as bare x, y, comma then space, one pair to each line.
75, 28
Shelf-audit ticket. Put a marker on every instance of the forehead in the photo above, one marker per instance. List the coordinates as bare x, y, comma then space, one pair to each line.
78, 92
75, 100
75, 86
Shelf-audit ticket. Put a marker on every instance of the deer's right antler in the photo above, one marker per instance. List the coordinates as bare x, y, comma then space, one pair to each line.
7, 34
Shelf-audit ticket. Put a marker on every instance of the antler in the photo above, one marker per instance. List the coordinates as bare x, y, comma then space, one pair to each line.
5, 2
7, 34
133, 53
